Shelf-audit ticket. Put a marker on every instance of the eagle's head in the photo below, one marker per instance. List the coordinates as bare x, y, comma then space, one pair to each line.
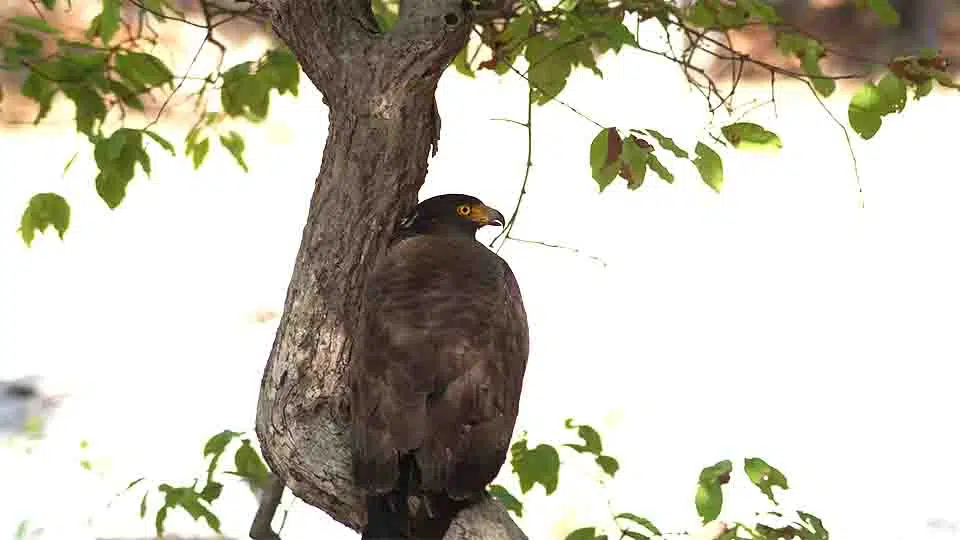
451, 214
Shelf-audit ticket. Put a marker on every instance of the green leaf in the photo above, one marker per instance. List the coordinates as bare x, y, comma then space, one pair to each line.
627, 533
609, 465
709, 165
133, 483
591, 439
923, 89
885, 11
165, 144
634, 163
585, 533
760, 10
893, 89
709, 501
233, 142
159, 520
550, 66
814, 524
462, 62
506, 498
764, 476
91, 110
658, 168
218, 443
750, 136
211, 491
198, 151
604, 156
667, 144
44, 210
49, 4
41, 90
642, 521
700, 15
142, 71
126, 94
865, 110
280, 70
244, 93
540, 465
27, 45
709, 497
811, 66
109, 20
249, 465
33, 23
116, 157
143, 505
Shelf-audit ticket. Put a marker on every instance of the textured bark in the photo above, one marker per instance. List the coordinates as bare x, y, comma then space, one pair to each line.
382, 125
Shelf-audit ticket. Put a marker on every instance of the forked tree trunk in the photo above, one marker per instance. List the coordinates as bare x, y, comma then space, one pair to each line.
382, 125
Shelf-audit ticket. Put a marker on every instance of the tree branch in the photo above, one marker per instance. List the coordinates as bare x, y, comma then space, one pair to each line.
383, 123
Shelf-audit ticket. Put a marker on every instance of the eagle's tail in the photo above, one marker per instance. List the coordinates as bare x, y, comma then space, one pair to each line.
406, 513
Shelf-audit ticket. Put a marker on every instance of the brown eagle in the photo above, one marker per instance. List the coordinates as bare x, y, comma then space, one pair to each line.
438, 363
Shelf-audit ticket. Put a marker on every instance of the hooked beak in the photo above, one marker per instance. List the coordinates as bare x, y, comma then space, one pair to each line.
484, 215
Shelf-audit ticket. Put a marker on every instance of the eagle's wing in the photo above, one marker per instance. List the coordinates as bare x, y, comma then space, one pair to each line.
438, 366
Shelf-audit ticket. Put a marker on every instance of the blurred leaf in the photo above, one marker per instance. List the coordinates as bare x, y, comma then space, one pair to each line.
750, 136
44, 210
709, 497
211, 491
591, 439
142, 71
642, 521
658, 168
143, 505
709, 501
49, 4
116, 157
814, 524
159, 520
609, 465
604, 156
280, 70
233, 142
165, 144
109, 20
709, 165
133, 483
550, 66
627, 533
764, 476
667, 144
540, 465
811, 66
127, 95
585, 533
507, 499
91, 111
885, 11
634, 164
462, 63
864, 111
761, 10
218, 443
249, 465
41, 90
33, 23
893, 90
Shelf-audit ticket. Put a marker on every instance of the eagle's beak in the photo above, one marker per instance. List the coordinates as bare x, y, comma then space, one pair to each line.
484, 215
494, 217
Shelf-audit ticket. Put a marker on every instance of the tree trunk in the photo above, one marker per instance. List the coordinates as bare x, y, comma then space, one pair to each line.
382, 125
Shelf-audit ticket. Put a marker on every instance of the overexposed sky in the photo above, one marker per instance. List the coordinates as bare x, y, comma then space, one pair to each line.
777, 319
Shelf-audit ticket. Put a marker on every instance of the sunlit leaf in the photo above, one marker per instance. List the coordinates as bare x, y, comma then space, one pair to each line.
750, 136
764, 476
44, 210
709, 165
540, 465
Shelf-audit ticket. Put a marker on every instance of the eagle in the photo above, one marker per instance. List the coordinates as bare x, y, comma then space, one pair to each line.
437, 369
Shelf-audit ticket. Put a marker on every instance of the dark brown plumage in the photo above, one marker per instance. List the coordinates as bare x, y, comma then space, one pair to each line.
438, 363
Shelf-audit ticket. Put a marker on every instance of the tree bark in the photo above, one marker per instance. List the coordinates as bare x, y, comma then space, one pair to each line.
383, 124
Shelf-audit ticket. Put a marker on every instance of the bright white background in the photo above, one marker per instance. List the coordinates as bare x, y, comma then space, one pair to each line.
777, 319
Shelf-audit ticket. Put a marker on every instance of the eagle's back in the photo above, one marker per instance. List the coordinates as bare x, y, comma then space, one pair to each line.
438, 365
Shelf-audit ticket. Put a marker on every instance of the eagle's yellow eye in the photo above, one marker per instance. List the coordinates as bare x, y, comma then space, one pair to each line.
463, 209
